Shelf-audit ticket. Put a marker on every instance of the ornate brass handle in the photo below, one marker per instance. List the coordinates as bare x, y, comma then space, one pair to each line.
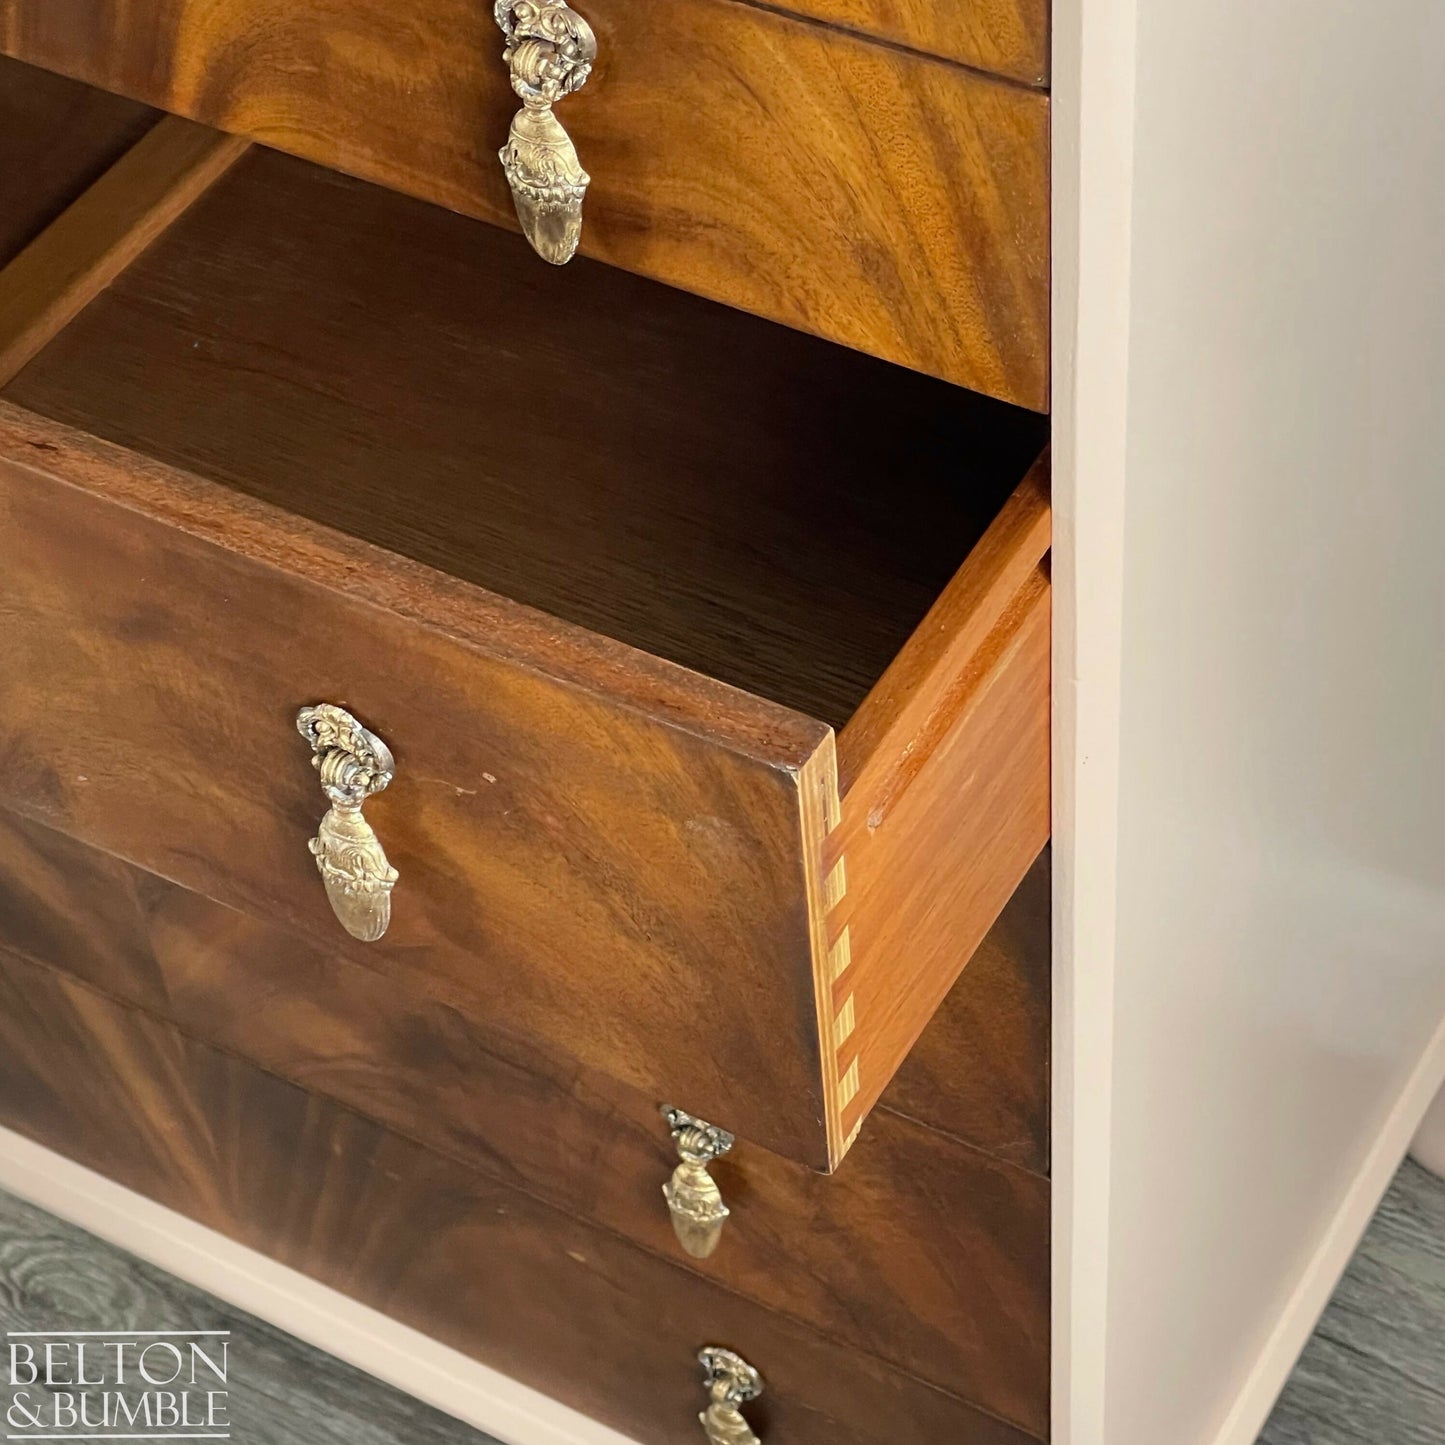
692, 1195
550, 50
730, 1383
353, 764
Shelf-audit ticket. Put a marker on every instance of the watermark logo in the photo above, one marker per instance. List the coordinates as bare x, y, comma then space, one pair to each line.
118, 1385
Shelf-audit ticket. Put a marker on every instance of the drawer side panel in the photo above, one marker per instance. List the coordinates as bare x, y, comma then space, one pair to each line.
945, 776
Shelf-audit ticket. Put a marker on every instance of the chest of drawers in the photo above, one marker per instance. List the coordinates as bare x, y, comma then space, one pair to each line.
712, 659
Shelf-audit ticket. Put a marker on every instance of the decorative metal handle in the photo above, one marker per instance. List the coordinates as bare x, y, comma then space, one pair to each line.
550, 50
692, 1195
730, 1383
353, 764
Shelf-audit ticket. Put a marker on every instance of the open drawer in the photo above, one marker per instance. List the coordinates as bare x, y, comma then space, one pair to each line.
603, 563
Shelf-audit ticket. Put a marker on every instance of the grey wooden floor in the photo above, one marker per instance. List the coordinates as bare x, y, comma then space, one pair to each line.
1374, 1373
281, 1392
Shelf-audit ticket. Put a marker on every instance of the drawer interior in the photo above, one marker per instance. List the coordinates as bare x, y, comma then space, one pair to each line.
57, 137
747, 501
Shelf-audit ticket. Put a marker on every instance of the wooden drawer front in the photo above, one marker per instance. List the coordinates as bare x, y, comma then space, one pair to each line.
1003, 37
922, 1251
563, 1305
597, 849
1007, 38
883, 199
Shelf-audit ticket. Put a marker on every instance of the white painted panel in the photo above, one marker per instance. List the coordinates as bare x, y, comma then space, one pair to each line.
1275, 986
1093, 137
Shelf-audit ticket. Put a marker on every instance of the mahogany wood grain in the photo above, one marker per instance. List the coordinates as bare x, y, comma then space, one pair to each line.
596, 848
881, 198
1008, 38
755, 504
920, 1251
980, 1071
56, 138
86, 247
944, 773
552, 1300
1004, 37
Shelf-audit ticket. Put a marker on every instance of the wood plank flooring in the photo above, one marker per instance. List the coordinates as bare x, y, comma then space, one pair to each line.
282, 1392
1374, 1371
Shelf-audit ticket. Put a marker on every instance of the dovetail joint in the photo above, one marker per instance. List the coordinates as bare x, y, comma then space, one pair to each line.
832, 804
840, 959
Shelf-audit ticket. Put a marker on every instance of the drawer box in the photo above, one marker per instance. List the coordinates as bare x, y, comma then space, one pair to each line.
956, 1295
881, 198
604, 564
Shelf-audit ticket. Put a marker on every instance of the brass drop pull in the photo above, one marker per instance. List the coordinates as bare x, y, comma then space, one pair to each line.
550, 50
353, 764
692, 1195
730, 1383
